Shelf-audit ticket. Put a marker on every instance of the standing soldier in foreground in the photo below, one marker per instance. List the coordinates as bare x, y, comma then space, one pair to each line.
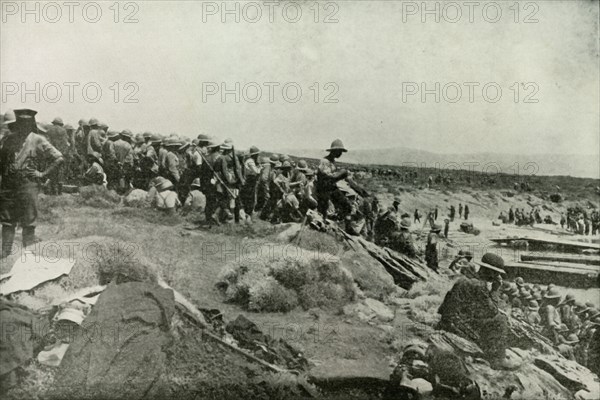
327, 178
22, 151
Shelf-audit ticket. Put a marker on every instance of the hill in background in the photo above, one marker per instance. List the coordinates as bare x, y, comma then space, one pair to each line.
587, 165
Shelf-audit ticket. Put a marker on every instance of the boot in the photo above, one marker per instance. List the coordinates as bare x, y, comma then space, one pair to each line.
28, 236
8, 238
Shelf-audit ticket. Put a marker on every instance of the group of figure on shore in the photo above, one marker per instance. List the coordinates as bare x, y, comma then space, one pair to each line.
576, 220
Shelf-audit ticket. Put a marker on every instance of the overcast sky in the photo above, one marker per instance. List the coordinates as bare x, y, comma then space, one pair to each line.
372, 57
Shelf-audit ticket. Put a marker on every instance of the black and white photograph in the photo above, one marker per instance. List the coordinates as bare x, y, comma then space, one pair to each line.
309, 199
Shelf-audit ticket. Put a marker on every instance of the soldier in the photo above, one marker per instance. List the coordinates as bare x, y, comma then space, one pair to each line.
196, 200
446, 227
267, 176
435, 213
59, 138
229, 171
94, 139
171, 160
162, 156
70, 159
550, 317
22, 151
469, 310
431, 255
308, 197
327, 177
95, 174
208, 181
460, 210
565, 309
287, 205
511, 215
125, 160
402, 241
166, 198
532, 313
110, 160
452, 212
466, 212
417, 216
248, 192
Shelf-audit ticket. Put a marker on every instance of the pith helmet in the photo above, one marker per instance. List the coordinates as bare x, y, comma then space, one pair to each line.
302, 165
492, 262
127, 133
196, 183
253, 150
57, 121
337, 145
93, 121
69, 127
42, 128
112, 134
9, 117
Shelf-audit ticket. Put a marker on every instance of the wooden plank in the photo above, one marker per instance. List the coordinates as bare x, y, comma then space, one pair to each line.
555, 264
558, 269
588, 260
559, 242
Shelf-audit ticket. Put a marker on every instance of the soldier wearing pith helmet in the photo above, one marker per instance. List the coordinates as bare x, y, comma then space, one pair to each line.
22, 154
326, 185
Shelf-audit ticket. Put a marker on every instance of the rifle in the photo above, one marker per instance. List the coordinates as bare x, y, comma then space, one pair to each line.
217, 177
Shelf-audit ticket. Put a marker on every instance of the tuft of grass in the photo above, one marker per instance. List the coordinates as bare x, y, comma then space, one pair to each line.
283, 284
99, 196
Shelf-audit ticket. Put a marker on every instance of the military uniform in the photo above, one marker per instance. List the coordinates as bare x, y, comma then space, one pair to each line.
19, 155
208, 184
125, 163
59, 138
248, 192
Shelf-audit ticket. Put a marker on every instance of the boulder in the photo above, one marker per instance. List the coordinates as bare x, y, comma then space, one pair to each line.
382, 312
136, 198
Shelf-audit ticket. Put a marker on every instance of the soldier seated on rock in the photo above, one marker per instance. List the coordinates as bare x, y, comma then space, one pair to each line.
470, 311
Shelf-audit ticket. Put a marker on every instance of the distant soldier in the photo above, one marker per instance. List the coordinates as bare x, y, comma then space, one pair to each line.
59, 138
402, 241
327, 177
446, 227
196, 200
208, 182
550, 316
229, 170
22, 152
460, 210
435, 213
125, 159
417, 216
248, 191
263, 190
511, 215
171, 160
70, 166
94, 139
453, 212
95, 174
308, 197
431, 255
110, 159
162, 157
466, 212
